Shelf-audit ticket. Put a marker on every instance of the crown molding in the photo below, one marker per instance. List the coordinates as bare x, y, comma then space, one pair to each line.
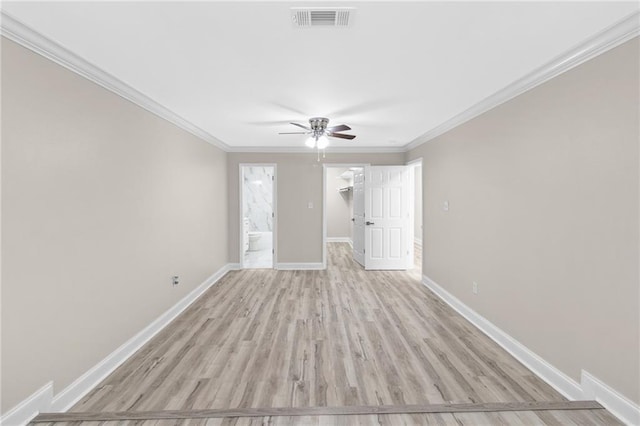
27, 37
329, 150
612, 36
20, 33
607, 39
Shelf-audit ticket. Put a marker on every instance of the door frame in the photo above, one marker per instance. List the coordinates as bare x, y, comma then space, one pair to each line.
412, 207
324, 202
274, 204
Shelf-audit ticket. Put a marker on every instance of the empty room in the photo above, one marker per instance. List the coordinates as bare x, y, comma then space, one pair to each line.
320, 213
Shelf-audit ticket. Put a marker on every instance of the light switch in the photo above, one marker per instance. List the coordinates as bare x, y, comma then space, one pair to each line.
309, 205
445, 206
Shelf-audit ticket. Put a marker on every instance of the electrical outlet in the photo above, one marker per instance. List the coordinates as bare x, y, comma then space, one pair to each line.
475, 288
445, 206
175, 280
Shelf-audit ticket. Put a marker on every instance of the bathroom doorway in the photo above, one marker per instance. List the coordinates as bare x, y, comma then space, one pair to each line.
258, 219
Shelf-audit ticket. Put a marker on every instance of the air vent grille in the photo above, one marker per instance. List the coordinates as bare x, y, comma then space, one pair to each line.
322, 17
342, 18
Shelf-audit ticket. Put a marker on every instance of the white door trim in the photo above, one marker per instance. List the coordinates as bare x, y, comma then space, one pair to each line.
414, 163
412, 207
324, 203
274, 203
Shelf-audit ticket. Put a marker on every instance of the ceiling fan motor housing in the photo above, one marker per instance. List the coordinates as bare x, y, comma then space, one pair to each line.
318, 124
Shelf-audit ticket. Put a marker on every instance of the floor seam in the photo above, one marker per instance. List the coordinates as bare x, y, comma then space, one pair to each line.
320, 411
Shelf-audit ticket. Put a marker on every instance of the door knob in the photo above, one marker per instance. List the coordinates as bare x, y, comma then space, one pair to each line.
369, 223
353, 219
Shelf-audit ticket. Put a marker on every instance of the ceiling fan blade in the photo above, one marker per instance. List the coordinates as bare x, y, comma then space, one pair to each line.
341, 136
293, 133
340, 128
300, 125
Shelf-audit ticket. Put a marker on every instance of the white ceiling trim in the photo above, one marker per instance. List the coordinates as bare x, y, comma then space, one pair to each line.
329, 150
18, 32
607, 39
22, 34
603, 41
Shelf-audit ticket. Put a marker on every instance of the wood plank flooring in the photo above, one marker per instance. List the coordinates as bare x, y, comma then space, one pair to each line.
333, 338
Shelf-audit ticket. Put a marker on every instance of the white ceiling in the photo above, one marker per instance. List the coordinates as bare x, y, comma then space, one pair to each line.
241, 71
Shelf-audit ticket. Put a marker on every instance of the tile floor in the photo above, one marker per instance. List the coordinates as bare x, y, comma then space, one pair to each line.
258, 259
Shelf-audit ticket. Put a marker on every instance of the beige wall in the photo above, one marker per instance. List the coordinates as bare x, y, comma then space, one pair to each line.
543, 194
299, 181
338, 204
102, 203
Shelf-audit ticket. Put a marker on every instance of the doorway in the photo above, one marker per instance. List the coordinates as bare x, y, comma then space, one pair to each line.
381, 212
257, 215
338, 209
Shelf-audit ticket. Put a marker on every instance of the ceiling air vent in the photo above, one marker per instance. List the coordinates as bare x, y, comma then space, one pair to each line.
322, 16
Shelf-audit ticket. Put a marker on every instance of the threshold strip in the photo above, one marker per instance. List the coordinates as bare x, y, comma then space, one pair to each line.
319, 411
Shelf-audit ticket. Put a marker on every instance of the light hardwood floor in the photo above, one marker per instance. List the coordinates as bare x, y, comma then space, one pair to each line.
339, 337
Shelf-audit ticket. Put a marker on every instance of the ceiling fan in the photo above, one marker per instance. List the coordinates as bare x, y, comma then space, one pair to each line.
319, 131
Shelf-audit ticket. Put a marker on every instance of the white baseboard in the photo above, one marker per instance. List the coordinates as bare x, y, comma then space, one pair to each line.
25, 411
299, 266
338, 239
589, 387
76, 390
43, 400
234, 266
560, 381
617, 404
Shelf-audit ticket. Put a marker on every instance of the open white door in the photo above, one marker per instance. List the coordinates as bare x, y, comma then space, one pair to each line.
358, 216
386, 202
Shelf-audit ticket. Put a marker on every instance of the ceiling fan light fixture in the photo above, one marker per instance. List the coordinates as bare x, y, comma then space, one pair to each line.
310, 142
323, 142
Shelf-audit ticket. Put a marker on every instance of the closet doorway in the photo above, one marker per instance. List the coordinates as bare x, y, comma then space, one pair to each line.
257, 215
338, 207
373, 209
